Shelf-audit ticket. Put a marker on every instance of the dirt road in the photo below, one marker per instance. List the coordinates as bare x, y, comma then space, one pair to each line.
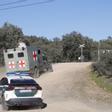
70, 89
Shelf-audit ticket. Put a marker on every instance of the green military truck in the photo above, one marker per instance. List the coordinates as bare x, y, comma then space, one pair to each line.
26, 59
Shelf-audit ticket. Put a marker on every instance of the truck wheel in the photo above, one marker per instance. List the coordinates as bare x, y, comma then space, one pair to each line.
36, 73
50, 69
4, 105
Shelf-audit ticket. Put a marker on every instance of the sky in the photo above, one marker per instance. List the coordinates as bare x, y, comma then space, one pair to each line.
92, 18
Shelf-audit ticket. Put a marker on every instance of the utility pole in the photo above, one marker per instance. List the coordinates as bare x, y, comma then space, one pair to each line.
98, 51
82, 56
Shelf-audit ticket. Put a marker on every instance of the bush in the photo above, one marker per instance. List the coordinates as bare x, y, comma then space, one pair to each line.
104, 66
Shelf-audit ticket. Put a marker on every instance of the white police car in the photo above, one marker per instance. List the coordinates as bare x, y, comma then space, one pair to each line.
20, 91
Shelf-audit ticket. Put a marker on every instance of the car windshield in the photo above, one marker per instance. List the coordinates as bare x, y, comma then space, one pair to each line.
19, 82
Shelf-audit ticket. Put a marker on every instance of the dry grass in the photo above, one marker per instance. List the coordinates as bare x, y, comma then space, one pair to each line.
102, 82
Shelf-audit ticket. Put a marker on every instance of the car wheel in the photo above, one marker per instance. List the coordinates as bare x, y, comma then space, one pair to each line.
4, 105
44, 105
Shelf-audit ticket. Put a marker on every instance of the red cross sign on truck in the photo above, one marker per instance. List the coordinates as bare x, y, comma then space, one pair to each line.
34, 55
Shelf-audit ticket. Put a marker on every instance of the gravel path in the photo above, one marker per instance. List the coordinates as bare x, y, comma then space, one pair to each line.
70, 89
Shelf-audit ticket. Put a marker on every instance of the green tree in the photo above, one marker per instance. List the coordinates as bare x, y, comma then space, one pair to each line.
9, 35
